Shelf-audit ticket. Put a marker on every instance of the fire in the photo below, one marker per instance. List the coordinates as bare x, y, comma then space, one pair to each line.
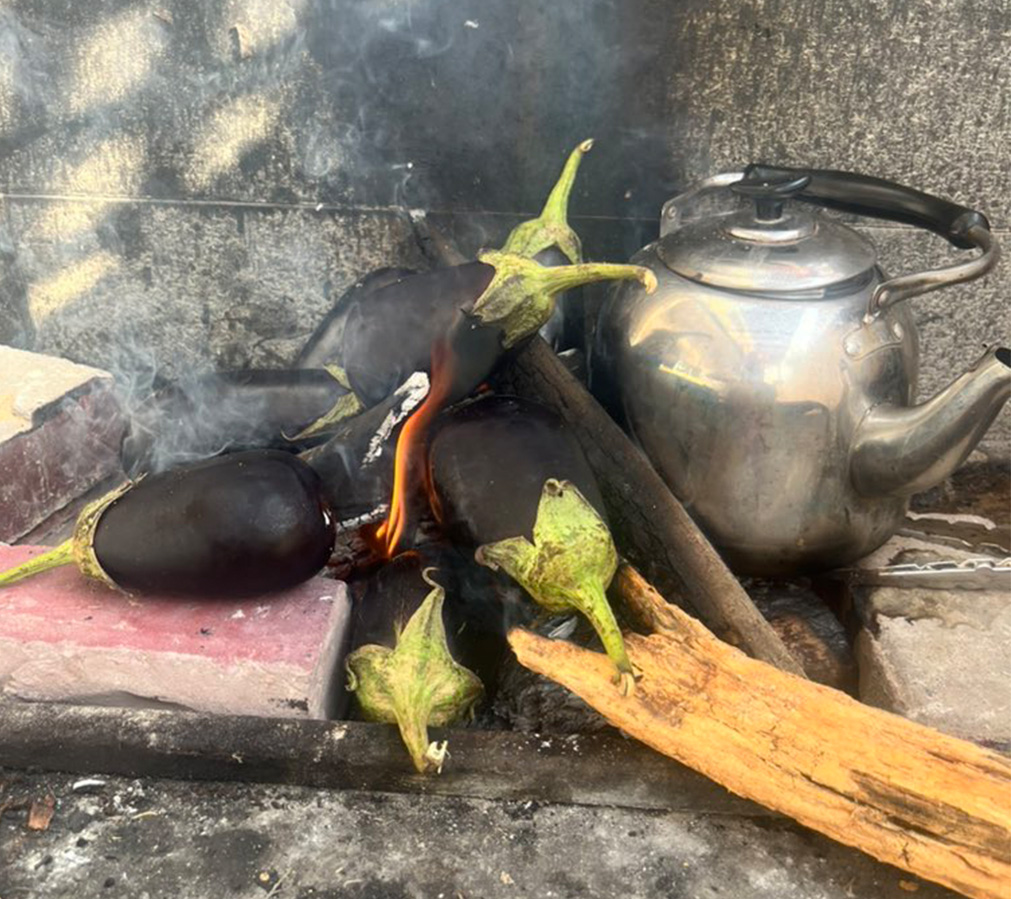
411, 446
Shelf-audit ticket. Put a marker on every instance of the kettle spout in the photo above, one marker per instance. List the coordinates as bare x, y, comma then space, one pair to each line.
901, 451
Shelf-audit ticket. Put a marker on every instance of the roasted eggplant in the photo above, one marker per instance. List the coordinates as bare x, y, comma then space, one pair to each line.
323, 348
391, 336
404, 666
509, 479
379, 336
488, 461
232, 526
355, 464
231, 411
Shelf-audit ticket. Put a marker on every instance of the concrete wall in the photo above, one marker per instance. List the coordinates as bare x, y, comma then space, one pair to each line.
185, 184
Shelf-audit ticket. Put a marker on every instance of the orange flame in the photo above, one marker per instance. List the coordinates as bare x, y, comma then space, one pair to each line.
410, 448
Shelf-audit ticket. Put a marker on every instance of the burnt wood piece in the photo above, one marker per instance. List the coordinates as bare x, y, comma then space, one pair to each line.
901, 792
650, 526
598, 770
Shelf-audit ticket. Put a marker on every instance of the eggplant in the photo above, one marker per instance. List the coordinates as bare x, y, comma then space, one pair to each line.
548, 239
232, 526
231, 411
509, 479
323, 347
402, 668
379, 336
355, 465
502, 297
488, 461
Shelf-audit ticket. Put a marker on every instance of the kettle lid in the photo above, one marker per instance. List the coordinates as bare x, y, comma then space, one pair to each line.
770, 246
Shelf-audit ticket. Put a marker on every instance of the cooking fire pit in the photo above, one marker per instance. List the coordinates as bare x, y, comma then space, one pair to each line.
321, 490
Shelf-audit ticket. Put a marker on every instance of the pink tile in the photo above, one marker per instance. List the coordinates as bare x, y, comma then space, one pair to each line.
65, 638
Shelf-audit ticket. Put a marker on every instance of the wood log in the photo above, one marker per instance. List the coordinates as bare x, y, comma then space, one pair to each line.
648, 522
905, 794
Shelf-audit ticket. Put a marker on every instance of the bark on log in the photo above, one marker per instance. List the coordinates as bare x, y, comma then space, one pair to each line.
648, 522
905, 794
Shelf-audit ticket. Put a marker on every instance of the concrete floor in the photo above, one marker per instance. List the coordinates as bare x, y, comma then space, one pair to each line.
147, 839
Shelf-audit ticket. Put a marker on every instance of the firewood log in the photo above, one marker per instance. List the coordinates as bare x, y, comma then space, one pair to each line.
934, 805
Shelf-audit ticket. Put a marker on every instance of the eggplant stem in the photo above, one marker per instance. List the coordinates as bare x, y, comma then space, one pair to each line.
551, 227
346, 406
520, 297
413, 727
591, 600
568, 566
54, 558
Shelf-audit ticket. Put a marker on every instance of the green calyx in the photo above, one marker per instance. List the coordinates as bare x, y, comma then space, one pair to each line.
568, 566
551, 228
520, 297
79, 549
344, 408
417, 683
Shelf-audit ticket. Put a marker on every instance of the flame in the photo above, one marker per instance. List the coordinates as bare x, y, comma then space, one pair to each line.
410, 448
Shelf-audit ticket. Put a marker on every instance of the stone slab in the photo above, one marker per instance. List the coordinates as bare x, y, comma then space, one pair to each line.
66, 639
60, 426
941, 657
118, 837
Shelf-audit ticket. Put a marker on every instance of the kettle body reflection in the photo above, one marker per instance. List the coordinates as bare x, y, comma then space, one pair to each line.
771, 376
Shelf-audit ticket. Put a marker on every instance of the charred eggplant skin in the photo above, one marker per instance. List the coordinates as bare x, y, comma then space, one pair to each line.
325, 344
227, 411
232, 526
390, 336
488, 462
394, 593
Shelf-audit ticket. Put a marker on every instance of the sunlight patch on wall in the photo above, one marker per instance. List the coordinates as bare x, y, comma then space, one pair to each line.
7, 98
253, 26
112, 167
229, 133
114, 59
54, 293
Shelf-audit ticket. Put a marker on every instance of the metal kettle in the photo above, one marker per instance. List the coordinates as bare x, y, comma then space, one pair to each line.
771, 376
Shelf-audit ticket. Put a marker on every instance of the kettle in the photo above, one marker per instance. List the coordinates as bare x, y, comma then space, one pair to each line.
770, 378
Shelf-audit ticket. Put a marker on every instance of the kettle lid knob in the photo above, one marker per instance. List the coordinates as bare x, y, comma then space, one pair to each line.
770, 194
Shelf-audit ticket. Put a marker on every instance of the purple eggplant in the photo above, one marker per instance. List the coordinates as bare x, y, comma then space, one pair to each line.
355, 464
230, 411
509, 479
379, 337
324, 345
488, 461
236, 525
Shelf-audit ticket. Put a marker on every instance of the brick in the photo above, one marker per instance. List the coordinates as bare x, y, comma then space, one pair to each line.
60, 429
66, 639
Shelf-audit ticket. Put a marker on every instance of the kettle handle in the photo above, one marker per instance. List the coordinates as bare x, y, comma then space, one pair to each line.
878, 198
864, 195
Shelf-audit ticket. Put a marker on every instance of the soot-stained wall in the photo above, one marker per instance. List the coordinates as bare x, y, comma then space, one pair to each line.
186, 184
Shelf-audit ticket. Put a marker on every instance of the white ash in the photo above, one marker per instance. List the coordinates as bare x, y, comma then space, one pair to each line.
359, 521
413, 390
